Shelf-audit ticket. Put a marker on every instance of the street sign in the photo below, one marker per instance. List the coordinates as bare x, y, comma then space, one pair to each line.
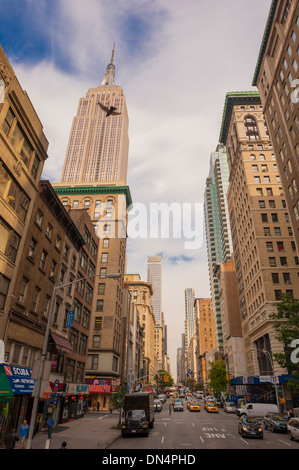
70, 318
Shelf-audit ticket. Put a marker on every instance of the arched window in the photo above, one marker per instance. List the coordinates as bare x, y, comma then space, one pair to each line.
251, 128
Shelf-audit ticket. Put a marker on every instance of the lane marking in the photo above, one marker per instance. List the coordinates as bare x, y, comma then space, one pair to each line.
244, 441
287, 443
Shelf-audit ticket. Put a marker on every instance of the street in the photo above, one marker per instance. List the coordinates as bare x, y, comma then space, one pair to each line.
186, 430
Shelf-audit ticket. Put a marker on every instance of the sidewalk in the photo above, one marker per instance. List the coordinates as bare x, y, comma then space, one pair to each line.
96, 430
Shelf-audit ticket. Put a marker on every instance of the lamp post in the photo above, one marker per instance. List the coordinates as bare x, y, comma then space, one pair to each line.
272, 365
45, 348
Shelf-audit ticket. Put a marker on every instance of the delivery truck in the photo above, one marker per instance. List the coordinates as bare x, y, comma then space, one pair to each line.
138, 413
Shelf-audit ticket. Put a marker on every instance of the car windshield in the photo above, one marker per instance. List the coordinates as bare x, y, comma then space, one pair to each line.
230, 404
136, 414
278, 418
252, 421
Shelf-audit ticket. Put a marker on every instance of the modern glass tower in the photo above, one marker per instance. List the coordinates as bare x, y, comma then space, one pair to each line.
219, 244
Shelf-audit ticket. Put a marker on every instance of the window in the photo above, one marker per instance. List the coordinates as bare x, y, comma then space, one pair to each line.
101, 289
283, 261
280, 246
96, 341
272, 261
22, 291
103, 272
277, 231
98, 323
251, 128
100, 305
262, 204
267, 232
277, 294
274, 217
106, 243
39, 218
269, 246
43, 260
104, 258
75, 204
4, 285
287, 278
275, 278
257, 180
7, 123
35, 166
35, 299
22, 145
9, 241
49, 230
264, 217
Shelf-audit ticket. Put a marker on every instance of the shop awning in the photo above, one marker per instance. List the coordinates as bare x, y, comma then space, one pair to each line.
62, 343
99, 388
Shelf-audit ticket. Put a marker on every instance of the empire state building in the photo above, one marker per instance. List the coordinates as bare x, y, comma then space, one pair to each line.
94, 179
98, 145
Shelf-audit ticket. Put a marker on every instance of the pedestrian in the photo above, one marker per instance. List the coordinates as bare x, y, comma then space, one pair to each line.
170, 409
63, 445
23, 433
11, 439
98, 405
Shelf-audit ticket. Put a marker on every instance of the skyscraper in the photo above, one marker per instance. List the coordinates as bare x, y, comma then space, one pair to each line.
276, 76
94, 177
98, 144
219, 245
189, 318
154, 276
264, 248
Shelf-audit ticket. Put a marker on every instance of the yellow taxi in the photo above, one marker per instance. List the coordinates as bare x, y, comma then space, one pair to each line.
211, 407
193, 406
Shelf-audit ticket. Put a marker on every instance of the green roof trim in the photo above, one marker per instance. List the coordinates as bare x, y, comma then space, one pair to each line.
235, 98
265, 40
89, 190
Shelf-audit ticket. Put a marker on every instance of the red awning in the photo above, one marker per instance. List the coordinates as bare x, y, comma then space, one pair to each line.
99, 388
62, 343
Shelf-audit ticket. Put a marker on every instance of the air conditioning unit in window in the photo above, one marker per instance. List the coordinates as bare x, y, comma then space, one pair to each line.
21, 299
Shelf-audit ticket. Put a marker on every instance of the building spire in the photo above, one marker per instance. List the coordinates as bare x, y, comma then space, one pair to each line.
109, 78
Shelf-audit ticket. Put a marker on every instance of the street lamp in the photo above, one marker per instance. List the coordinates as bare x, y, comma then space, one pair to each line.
45, 348
272, 365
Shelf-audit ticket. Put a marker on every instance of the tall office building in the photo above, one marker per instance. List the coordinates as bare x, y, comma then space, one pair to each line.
264, 248
94, 177
219, 245
276, 76
98, 145
190, 327
154, 277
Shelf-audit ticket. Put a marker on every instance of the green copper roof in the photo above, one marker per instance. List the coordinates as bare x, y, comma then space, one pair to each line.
235, 98
265, 40
72, 190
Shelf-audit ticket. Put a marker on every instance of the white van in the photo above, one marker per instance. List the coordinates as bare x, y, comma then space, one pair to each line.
257, 409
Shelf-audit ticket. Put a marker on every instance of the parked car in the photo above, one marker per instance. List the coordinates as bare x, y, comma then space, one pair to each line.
178, 406
211, 407
229, 407
193, 406
257, 409
250, 427
157, 405
275, 422
293, 428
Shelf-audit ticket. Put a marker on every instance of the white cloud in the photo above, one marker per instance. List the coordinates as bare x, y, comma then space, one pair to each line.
175, 83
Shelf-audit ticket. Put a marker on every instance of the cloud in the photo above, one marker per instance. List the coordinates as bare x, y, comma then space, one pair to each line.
176, 61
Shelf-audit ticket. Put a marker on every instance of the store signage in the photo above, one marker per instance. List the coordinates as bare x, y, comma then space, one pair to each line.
20, 379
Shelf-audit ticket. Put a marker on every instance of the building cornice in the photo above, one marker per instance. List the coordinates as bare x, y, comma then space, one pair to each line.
265, 40
90, 190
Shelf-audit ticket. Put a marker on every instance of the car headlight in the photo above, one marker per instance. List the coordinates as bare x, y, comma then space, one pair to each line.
260, 430
244, 428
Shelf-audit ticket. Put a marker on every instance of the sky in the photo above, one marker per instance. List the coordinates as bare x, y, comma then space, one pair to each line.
175, 60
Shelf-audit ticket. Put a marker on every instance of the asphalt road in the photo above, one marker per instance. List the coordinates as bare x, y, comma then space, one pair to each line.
186, 430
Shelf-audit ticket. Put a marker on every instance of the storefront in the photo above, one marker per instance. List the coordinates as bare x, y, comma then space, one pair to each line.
16, 387
75, 399
100, 390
